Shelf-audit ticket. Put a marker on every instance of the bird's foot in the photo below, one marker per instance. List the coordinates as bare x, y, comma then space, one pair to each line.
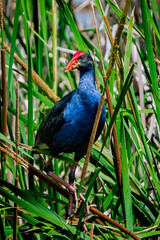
72, 197
84, 224
72, 194
70, 216
87, 205
86, 217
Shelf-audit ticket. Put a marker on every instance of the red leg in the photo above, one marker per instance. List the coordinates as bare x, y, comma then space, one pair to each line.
57, 178
69, 186
71, 197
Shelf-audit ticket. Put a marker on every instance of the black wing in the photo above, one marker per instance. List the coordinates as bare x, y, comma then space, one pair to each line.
52, 123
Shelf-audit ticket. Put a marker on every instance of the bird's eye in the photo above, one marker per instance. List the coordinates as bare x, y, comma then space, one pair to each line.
81, 58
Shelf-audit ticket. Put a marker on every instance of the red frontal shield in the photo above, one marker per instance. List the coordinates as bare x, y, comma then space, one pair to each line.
73, 63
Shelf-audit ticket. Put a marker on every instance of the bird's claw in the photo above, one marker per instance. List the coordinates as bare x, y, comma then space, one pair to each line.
84, 224
74, 193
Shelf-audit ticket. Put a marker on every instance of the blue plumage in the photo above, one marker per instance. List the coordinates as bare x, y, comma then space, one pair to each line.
67, 127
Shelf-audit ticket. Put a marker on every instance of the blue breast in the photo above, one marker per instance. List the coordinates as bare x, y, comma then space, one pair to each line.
79, 115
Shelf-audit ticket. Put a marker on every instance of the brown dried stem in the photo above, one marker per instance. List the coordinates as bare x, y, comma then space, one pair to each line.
117, 39
17, 144
1, 15
117, 151
118, 61
106, 80
112, 43
38, 80
115, 45
17, 116
110, 220
111, 64
4, 95
119, 67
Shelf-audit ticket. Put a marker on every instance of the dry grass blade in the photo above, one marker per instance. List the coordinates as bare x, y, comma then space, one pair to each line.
117, 151
4, 83
17, 116
4, 95
1, 15
17, 144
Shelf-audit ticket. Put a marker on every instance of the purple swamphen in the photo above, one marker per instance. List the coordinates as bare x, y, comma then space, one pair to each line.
68, 126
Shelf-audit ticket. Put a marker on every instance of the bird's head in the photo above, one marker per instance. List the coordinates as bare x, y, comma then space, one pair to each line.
80, 60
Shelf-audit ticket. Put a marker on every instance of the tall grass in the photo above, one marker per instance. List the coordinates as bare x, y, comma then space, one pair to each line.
43, 34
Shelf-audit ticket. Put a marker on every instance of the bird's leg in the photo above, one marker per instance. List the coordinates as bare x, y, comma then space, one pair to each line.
71, 197
70, 206
69, 186
47, 169
72, 172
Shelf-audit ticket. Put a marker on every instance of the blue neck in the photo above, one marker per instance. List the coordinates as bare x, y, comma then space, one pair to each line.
87, 78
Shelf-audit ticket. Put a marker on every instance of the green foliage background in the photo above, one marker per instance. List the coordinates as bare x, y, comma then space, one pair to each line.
44, 34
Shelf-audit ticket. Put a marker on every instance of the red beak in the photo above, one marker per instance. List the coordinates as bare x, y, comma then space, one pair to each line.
73, 63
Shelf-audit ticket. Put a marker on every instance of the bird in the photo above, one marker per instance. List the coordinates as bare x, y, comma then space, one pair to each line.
67, 127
